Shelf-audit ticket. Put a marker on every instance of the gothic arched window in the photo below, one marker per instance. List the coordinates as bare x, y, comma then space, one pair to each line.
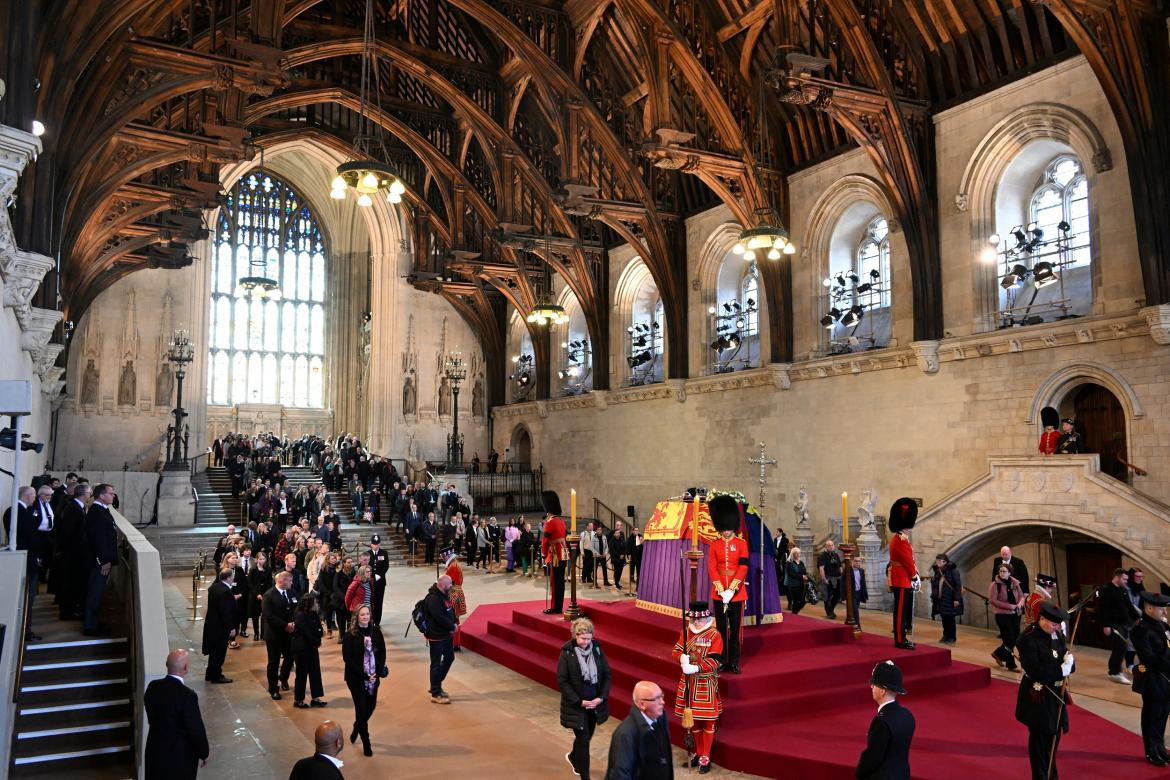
267, 351
1063, 196
874, 255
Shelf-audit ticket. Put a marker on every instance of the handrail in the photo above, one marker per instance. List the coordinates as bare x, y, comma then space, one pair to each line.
598, 505
1120, 455
193, 460
20, 640
195, 495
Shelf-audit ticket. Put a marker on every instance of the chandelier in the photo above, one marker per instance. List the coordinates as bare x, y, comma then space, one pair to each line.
767, 237
547, 311
367, 175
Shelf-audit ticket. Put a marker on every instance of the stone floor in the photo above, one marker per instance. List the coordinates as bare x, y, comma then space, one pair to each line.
496, 715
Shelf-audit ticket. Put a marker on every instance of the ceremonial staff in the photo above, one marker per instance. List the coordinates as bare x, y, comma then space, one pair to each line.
1064, 699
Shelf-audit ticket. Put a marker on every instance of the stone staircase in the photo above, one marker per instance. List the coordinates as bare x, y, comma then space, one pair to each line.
73, 707
180, 546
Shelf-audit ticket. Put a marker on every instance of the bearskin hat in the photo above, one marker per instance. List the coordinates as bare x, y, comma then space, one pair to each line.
1049, 417
724, 513
551, 502
903, 514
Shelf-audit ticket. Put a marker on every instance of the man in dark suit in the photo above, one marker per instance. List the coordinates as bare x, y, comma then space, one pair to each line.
102, 538
219, 627
176, 744
70, 549
640, 747
322, 765
1019, 568
427, 533
26, 539
887, 750
618, 552
45, 517
277, 609
1151, 641
855, 590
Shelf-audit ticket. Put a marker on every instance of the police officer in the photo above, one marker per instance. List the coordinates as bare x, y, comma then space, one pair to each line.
1040, 701
380, 564
1151, 641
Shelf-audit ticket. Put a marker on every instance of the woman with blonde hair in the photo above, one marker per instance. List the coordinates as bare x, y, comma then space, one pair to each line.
584, 677
795, 581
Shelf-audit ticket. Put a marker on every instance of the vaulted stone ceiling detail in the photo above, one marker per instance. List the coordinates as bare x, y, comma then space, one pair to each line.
597, 122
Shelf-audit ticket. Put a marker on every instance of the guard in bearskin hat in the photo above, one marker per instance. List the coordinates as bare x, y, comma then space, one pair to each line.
555, 549
1050, 419
727, 566
1151, 676
903, 574
699, 651
1041, 702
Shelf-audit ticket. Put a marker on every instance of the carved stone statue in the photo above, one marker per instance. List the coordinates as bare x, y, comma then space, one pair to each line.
89, 384
865, 510
409, 396
444, 397
477, 397
801, 508
164, 385
127, 385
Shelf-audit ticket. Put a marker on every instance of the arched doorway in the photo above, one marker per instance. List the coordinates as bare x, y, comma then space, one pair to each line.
521, 449
1100, 419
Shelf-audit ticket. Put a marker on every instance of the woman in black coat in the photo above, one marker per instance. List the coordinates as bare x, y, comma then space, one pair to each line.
325, 584
584, 677
363, 648
795, 581
946, 596
259, 581
306, 647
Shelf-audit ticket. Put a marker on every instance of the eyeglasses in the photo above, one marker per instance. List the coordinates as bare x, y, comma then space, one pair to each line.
659, 697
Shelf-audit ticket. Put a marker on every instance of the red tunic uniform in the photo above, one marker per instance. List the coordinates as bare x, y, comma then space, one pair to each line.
456, 595
727, 566
1048, 441
552, 542
702, 694
902, 568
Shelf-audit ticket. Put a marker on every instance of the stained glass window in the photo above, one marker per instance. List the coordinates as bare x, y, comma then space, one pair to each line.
267, 351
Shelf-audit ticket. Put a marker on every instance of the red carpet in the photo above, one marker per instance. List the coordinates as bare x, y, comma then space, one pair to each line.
801, 707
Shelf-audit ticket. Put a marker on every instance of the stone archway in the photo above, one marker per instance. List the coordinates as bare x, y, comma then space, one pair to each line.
520, 446
1066, 492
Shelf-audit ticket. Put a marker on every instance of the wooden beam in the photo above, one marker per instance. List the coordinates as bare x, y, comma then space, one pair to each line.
758, 13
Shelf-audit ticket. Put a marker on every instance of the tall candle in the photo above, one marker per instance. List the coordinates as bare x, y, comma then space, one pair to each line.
845, 517
573, 510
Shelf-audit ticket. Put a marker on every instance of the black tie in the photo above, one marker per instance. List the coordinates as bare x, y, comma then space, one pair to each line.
285, 594
46, 514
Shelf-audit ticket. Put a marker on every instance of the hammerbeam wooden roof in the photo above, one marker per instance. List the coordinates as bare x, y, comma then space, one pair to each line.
597, 121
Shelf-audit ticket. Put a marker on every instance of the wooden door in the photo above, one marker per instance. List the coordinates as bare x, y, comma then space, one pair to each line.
1101, 422
1090, 564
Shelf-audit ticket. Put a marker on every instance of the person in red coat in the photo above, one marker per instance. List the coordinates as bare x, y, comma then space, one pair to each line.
903, 573
727, 566
1050, 437
699, 651
456, 596
555, 549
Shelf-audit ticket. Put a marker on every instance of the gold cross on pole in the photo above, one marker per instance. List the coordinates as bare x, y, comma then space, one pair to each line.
763, 461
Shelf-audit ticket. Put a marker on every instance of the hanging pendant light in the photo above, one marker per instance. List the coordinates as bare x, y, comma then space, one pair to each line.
547, 311
366, 175
766, 237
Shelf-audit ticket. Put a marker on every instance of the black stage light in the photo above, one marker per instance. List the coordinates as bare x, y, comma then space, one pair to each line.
1014, 277
733, 341
853, 316
875, 274
1043, 274
864, 288
1063, 226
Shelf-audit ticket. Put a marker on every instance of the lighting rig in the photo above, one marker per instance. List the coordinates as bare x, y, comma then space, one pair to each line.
523, 376
645, 347
578, 366
849, 298
1026, 257
733, 324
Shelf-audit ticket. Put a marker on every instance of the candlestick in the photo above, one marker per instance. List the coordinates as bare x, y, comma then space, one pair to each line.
573, 510
845, 517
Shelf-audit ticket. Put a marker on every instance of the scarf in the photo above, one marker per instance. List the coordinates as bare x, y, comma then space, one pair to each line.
587, 661
368, 664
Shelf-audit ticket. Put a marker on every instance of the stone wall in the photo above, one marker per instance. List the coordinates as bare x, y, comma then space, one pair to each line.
918, 418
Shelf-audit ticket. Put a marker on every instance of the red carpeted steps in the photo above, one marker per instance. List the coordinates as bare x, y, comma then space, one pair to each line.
801, 707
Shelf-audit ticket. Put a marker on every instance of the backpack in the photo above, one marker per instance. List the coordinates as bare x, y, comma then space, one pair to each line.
418, 616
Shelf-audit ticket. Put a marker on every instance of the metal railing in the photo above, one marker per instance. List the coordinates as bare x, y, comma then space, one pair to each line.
506, 493
195, 498
606, 515
194, 461
20, 640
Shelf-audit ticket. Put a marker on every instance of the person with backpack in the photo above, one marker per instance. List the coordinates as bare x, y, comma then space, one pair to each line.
439, 630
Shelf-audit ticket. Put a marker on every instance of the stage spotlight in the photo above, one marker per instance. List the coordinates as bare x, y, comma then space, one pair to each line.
827, 282
993, 239
840, 280
875, 274
739, 323
864, 288
640, 341
654, 326
830, 319
1063, 226
1014, 277
751, 302
852, 317
736, 305
710, 309
1018, 235
561, 375
733, 341
853, 277
827, 321
630, 329
1043, 274
719, 344
727, 308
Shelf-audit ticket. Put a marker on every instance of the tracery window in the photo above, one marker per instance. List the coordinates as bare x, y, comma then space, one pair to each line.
874, 255
1063, 196
267, 350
